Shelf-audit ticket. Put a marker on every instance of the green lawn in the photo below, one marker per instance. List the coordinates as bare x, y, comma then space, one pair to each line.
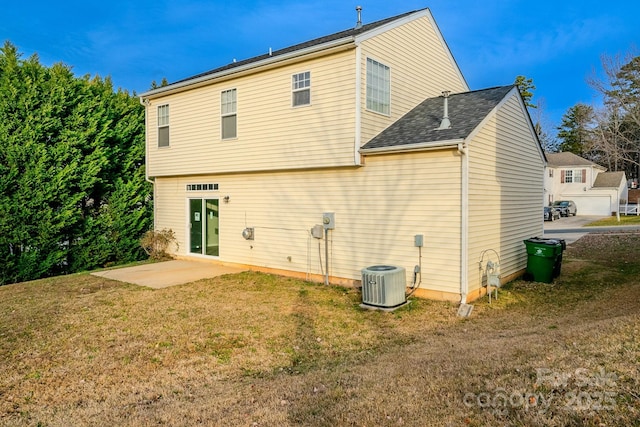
612, 221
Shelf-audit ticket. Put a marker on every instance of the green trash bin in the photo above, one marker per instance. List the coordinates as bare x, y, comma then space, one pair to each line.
544, 258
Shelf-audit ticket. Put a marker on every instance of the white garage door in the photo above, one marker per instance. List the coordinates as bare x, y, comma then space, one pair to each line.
593, 205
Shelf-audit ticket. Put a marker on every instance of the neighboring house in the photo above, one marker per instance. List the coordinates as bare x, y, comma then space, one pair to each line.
595, 191
347, 124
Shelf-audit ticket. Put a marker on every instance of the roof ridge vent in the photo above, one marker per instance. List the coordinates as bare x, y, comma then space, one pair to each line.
359, 23
445, 123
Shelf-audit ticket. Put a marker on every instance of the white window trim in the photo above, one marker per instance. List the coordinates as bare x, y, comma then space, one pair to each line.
234, 113
568, 175
577, 176
201, 187
164, 125
386, 114
296, 90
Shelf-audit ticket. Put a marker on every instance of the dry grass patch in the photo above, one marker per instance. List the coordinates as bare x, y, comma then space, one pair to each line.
254, 349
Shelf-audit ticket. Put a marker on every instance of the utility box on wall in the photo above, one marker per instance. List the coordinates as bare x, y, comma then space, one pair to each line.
317, 231
329, 220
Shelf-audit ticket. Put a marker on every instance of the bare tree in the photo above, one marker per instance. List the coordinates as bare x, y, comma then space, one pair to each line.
617, 134
606, 147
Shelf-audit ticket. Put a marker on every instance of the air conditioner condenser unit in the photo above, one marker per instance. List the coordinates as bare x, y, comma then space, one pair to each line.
384, 286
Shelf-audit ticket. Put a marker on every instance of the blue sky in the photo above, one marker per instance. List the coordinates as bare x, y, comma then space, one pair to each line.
557, 43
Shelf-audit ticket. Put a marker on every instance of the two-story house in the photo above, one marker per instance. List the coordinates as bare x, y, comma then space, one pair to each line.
250, 158
594, 191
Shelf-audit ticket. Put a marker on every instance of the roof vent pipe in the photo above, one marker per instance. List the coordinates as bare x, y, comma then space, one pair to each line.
445, 123
359, 23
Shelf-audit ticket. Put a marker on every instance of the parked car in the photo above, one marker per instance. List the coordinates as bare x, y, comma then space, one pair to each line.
566, 207
551, 213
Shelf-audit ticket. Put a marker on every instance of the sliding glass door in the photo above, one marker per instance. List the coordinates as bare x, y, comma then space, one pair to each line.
204, 222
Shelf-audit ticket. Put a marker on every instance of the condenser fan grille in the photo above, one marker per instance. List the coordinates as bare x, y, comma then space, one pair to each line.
383, 286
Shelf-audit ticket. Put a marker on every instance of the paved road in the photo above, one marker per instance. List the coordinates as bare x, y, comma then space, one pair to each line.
572, 228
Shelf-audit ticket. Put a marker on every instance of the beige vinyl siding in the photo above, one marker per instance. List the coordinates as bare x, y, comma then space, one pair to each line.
505, 191
272, 135
429, 71
378, 210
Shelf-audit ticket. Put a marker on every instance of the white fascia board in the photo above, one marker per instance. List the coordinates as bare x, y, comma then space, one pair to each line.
391, 25
176, 87
593, 166
422, 146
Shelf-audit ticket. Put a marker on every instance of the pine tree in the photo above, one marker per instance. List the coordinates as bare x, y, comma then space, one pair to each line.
575, 129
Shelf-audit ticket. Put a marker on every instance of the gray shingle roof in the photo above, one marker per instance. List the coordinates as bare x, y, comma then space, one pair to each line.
567, 159
419, 126
608, 180
319, 41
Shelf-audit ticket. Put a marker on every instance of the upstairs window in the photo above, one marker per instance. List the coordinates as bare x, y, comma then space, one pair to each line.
378, 87
301, 89
577, 176
228, 109
568, 176
163, 126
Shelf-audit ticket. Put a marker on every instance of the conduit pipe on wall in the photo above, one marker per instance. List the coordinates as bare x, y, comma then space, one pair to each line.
326, 256
464, 221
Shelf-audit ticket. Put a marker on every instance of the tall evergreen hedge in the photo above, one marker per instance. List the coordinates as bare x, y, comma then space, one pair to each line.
72, 191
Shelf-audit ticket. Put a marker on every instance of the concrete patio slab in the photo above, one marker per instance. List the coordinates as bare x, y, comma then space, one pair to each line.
168, 273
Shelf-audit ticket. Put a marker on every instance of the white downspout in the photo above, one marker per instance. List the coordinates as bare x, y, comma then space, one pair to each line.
358, 113
464, 223
146, 103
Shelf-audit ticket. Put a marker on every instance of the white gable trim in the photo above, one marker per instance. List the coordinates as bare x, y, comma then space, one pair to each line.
409, 18
445, 46
391, 25
523, 108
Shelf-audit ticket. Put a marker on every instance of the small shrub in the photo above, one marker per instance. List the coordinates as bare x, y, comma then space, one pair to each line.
155, 243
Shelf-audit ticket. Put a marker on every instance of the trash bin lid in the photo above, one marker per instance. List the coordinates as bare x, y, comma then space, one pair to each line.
542, 241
